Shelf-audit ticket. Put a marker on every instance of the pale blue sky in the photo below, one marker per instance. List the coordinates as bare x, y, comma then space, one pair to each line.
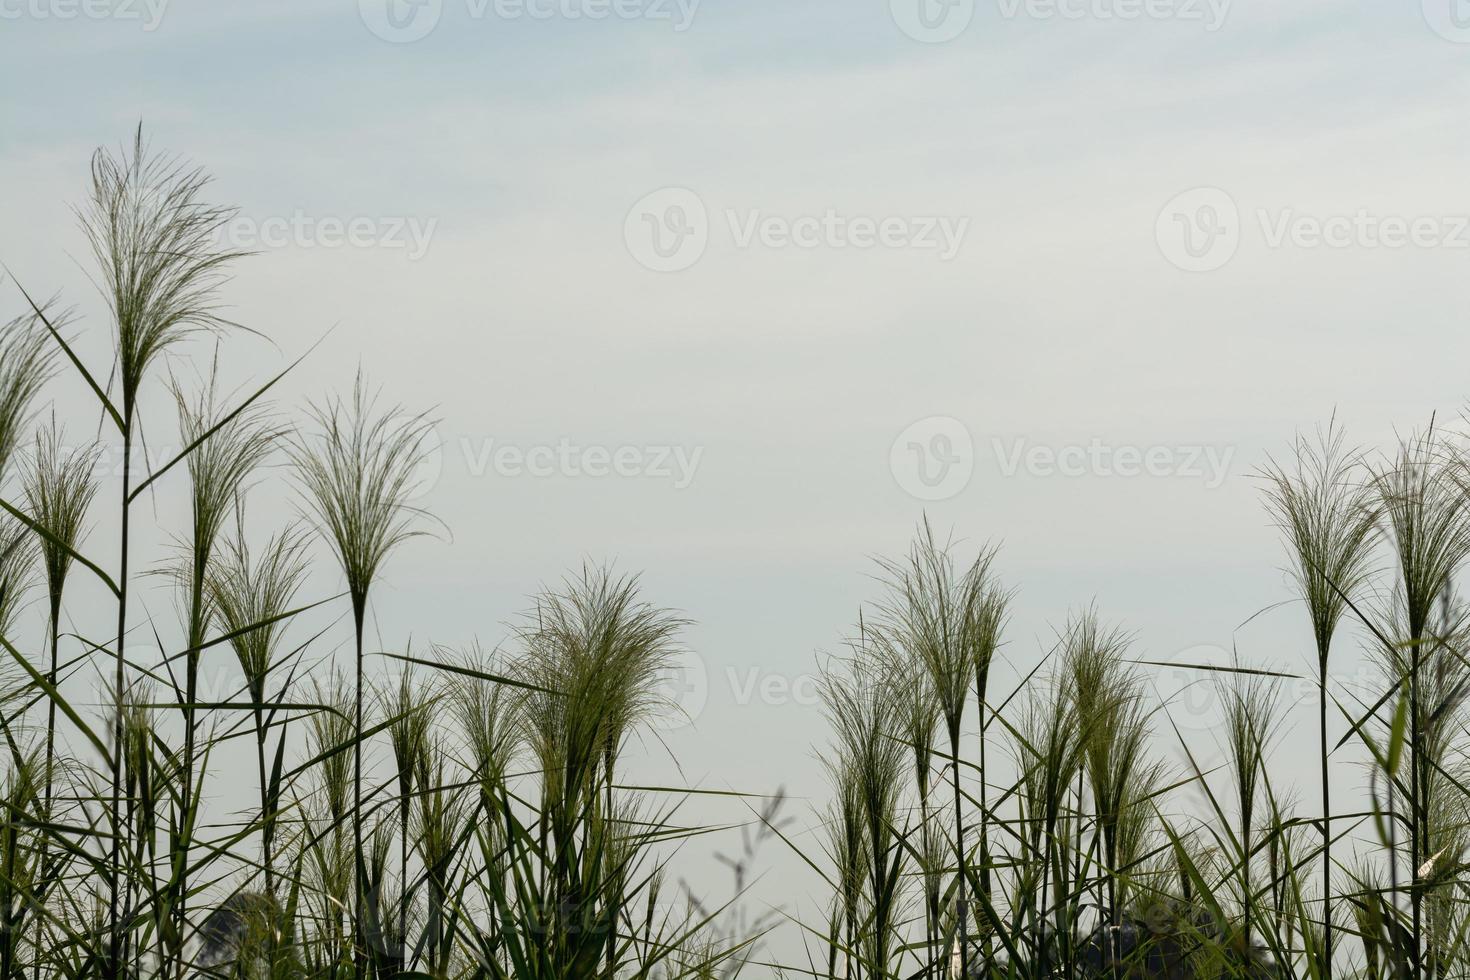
527, 320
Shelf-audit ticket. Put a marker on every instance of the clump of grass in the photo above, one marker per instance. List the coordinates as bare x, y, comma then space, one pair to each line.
156, 245
357, 476
1049, 758
1426, 520
949, 621
595, 655
1112, 720
252, 597
1326, 510
869, 765
1251, 705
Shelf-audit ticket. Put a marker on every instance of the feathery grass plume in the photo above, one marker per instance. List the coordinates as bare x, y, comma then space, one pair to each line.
326, 848
326, 859
357, 477
156, 243
405, 708
441, 816
27, 359
1251, 703
488, 716
597, 654
1445, 787
330, 734
948, 621
984, 612
252, 598
1426, 518
919, 715
1292, 926
1437, 701
227, 448
17, 568
489, 719
846, 846
871, 758
1112, 722
1327, 513
59, 487
598, 629
1048, 757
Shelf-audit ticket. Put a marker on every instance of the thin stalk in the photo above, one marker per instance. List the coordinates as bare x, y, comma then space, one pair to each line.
265, 804
113, 967
360, 951
982, 672
54, 629
403, 897
961, 893
1326, 821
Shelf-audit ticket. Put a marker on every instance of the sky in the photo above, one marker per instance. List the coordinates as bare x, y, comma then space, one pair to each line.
732, 295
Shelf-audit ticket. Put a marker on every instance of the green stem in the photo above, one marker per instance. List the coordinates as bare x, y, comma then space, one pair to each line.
113, 967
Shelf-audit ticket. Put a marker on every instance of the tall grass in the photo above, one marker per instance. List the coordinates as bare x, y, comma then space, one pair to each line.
1327, 514
499, 843
1113, 862
465, 814
948, 620
357, 479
